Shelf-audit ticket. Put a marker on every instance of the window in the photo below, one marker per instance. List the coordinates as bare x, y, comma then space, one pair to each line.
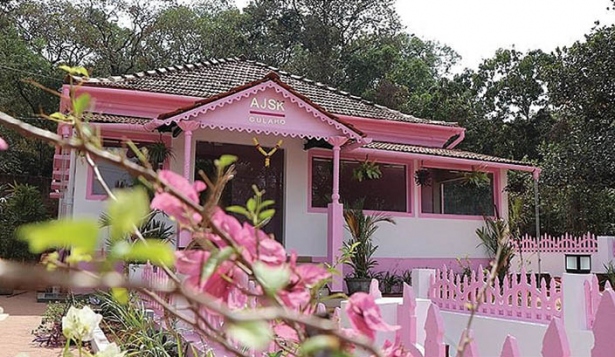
388, 193
115, 176
457, 192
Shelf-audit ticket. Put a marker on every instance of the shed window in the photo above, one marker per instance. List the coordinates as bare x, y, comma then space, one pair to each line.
388, 193
457, 192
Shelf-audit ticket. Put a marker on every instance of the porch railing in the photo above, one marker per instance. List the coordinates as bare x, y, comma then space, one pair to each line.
517, 297
566, 243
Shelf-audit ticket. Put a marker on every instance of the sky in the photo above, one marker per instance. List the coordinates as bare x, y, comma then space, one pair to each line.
477, 28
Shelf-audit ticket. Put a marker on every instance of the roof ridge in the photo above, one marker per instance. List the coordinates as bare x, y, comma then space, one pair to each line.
162, 70
238, 59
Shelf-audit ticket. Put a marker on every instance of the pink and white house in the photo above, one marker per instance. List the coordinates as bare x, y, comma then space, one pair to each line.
227, 106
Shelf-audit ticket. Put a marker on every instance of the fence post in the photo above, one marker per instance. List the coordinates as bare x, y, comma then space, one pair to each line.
421, 282
406, 318
574, 311
603, 326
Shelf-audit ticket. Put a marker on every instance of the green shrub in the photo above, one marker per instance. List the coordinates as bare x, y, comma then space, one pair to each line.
134, 331
22, 204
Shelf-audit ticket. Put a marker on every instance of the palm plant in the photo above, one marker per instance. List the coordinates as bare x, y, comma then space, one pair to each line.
362, 227
496, 238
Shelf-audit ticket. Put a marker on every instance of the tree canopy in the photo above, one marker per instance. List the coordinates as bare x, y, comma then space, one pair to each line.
555, 109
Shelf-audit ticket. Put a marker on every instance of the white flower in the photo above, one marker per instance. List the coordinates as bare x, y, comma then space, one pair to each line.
111, 351
3, 316
79, 324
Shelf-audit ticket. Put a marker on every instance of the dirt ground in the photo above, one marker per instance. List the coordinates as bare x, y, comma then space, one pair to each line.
16, 331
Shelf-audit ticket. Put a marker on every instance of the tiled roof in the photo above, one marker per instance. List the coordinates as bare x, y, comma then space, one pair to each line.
111, 118
415, 149
206, 79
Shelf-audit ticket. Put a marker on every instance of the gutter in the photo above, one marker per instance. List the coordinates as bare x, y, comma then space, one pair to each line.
459, 139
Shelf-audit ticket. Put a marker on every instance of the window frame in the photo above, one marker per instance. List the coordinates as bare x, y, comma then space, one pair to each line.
117, 135
324, 154
497, 193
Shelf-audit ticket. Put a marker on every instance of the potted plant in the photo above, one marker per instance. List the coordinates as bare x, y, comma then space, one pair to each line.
361, 228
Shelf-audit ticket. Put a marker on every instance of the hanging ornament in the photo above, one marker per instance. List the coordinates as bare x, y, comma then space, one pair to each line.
266, 154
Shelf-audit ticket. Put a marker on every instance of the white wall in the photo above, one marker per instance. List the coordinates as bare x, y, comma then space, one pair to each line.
553, 263
305, 232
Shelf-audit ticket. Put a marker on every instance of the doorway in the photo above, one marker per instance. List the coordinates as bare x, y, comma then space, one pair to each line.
250, 170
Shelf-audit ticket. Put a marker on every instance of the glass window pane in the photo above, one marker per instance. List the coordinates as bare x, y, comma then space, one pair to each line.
458, 193
114, 176
388, 193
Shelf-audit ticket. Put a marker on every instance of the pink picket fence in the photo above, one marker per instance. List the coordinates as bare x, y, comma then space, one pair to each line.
554, 342
566, 243
515, 298
592, 299
154, 277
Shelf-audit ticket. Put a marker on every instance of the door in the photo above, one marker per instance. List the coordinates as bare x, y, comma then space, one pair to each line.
251, 170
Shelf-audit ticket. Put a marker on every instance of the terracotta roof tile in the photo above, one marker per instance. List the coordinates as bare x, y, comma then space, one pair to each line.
415, 149
212, 77
111, 118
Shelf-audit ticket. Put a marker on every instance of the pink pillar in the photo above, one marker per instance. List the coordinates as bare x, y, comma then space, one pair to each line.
188, 127
187, 153
335, 218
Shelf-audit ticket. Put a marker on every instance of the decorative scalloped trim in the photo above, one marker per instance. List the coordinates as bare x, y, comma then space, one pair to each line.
253, 91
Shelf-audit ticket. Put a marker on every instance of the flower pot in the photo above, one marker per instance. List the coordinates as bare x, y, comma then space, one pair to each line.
357, 284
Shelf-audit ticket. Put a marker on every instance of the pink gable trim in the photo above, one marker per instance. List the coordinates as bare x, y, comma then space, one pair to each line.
281, 125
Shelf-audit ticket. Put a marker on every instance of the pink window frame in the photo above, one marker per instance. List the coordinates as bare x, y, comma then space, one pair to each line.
350, 156
497, 194
117, 135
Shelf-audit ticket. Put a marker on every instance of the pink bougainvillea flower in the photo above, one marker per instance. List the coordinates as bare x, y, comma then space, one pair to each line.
365, 317
3, 145
221, 284
257, 245
390, 349
311, 274
297, 294
170, 204
189, 262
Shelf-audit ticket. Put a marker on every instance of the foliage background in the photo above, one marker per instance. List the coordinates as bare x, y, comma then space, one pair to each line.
554, 109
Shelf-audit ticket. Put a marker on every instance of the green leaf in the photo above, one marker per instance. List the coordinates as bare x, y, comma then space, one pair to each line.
214, 261
120, 295
251, 205
128, 211
318, 343
251, 334
267, 203
266, 214
78, 255
61, 234
224, 161
272, 279
154, 250
58, 116
75, 71
239, 210
81, 104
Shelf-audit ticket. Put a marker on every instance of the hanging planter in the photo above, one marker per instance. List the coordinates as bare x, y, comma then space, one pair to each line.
367, 170
422, 177
158, 153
